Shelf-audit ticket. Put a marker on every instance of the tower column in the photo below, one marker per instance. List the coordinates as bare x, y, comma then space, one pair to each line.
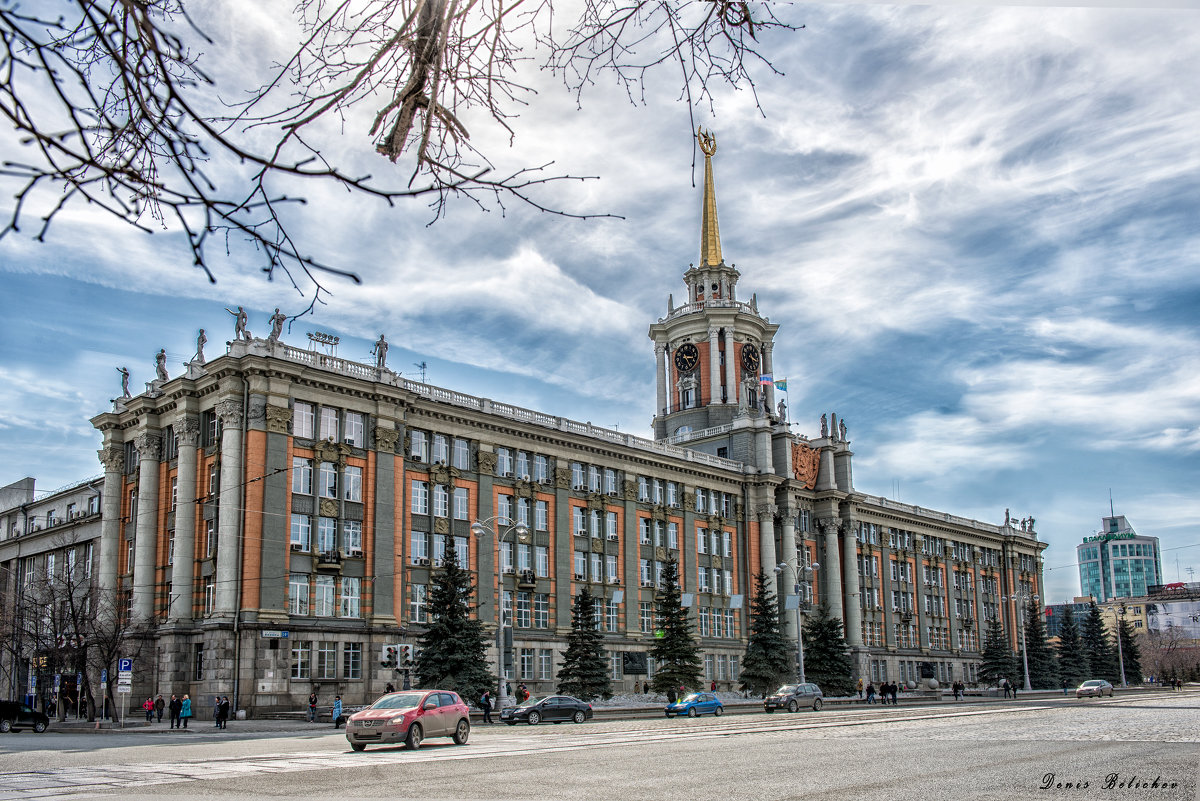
660, 358
149, 447
853, 605
714, 366
187, 428
230, 413
731, 385
766, 541
113, 460
768, 390
832, 567
789, 554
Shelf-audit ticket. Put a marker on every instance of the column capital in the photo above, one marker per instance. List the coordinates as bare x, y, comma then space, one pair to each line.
766, 510
386, 439
149, 445
187, 428
659, 348
113, 459
278, 418
229, 412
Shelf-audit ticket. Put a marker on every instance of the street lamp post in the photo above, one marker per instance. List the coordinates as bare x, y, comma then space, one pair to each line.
1120, 648
1024, 598
505, 527
803, 578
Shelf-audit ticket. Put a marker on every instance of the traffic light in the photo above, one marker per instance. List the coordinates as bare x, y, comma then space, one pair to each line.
389, 657
405, 655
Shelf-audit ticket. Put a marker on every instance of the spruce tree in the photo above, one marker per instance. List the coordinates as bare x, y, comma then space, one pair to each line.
453, 653
996, 661
675, 652
1043, 668
584, 671
1131, 652
1072, 661
826, 654
770, 656
1102, 655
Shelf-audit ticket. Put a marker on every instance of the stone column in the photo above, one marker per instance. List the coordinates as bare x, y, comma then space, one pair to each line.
832, 568
768, 368
789, 553
230, 412
388, 541
853, 605
660, 358
768, 559
149, 447
714, 366
187, 429
731, 382
113, 460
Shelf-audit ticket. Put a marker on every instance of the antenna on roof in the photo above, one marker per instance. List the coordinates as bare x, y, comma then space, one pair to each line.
422, 367
1111, 512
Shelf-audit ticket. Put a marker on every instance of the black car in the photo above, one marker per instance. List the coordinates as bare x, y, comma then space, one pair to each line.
15, 716
552, 708
794, 696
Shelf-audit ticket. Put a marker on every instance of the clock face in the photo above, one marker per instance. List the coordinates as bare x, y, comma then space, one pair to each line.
750, 359
686, 358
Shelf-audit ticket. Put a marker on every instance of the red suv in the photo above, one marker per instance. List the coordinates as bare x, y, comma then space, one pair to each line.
410, 717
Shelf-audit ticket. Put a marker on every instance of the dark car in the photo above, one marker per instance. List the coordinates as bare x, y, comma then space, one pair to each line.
15, 716
409, 717
552, 708
794, 696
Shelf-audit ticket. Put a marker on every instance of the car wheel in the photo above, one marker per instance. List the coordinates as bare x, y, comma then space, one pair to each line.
670, 715
358, 746
579, 717
692, 712
718, 711
793, 706
511, 722
816, 705
5, 726
534, 718
415, 735
39, 727
769, 710
462, 732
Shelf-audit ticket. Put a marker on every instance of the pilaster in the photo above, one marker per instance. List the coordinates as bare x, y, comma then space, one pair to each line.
230, 413
149, 447
187, 430
110, 526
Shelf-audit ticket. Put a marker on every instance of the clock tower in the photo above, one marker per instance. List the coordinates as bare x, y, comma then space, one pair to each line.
713, 352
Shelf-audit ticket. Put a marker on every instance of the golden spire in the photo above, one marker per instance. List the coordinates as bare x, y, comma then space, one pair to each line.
710, 233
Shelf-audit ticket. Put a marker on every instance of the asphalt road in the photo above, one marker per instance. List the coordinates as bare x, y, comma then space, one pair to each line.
1145, 746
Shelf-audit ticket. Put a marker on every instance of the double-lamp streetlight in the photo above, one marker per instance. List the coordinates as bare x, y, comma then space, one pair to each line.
803, 579
499, 527
1024, 598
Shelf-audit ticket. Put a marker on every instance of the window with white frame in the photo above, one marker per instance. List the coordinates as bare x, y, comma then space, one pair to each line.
441, 501
326, 660
322, 604
329, 423
418, 448
327, 483
541, 469
301, 659
326, 534
504, 462
298, 594
612, 615
541, 611
441, 449
673, 536
302, 476
352, 660
301, 535
542, 560
462, 504
610, 567
351, 597
352, 476
541, 515
354, 431
644, 530
646, 617
420, 498
610, 525
352, 537
417, 603
462, 454
303, 420
545, 664
418, 546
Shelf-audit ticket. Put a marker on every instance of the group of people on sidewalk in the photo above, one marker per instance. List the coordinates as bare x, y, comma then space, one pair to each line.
335, 712
887, 690
180, 711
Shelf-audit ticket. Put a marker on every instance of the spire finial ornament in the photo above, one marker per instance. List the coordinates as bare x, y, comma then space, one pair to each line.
710, 233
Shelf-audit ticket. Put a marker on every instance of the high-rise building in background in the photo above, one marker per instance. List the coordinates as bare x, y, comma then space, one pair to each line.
1117, 562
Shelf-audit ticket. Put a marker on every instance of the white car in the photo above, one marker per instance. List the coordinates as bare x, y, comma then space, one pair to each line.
1094, 688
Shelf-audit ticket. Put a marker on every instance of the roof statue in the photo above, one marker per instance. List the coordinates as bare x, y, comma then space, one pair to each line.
710, 233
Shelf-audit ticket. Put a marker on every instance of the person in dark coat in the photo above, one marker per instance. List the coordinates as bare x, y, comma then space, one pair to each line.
485, 704
159, 706
223, 712
174, 708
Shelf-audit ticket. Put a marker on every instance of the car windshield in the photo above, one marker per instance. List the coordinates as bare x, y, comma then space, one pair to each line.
1091, 684
692, 697
788, 689
532, 701
399, 701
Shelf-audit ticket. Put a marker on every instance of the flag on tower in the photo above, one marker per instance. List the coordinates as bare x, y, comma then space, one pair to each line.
781, 384
765, 378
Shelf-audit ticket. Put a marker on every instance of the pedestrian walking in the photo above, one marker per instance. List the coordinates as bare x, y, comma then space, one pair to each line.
312, 707
185, 710
1004, 685
485, 703
148, 706
870, 693
671, 697
389, 688
895, 693
223, 713
1014, 692
159, 706
645, 688
860, 688
713, 687
1064, 686
174, 708
216, 711
336, 714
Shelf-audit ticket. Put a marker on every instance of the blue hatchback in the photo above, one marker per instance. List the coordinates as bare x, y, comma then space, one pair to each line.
695, 704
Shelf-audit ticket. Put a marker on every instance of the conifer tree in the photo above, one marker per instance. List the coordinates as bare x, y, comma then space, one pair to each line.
453, 653
1072, 661
826, 654
675, 652
1131, 652
996, 662
584, 672
769, 660
1043, 668
1101, 653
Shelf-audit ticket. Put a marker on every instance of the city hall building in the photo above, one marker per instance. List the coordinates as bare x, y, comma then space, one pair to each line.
277, 513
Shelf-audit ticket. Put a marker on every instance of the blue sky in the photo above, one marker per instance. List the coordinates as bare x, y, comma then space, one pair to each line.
975, 225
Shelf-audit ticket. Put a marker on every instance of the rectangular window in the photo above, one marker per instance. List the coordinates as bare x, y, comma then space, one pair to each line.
327, 486
417, 605
352, 537
541, 515
462, 552
522, 465
174, 499
298, 594
545, 664
326, 534
541, 469
353, 480
439, 548
615, 663
672, 494
610, 525
419, 547
504, 508
303, 420
577, 523
701, 501
577, 481
527, 657
523, 511
726, 544
210, 538
462, 503
352, 660
302, 476
524, 610
301, 660
610, 481
419, 446
541, 611
329, 424
354, 430
673, 536
612, 616
542, 560
580, 565
462, 454
326, 660
506, 557
646, 617
597, 567
420, 498
504, 462
645, 572
524, 557
644, 530
323, 596
198, 661
643, 489
593, 478
301, 536
441, 501
701, 541
351, 596
441, 449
